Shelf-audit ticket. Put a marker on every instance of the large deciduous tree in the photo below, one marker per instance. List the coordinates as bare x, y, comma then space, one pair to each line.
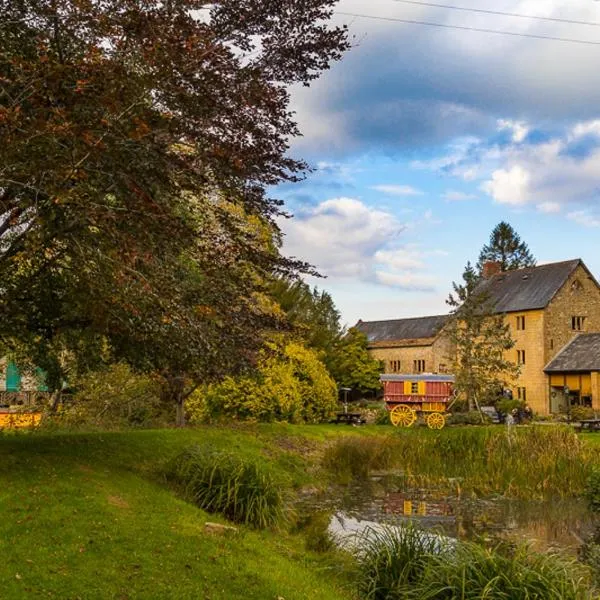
313, 317
137, 141
506, 248
481, 338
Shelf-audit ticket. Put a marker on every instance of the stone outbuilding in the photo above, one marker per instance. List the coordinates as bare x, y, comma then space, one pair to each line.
574, 373
409, 345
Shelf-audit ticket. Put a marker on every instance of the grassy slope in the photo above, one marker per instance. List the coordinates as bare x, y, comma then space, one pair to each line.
87, 516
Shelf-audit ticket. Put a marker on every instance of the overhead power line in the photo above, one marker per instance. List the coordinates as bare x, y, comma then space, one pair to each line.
465, 28
499, 13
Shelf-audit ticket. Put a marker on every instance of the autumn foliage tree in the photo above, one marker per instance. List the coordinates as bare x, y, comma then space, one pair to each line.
137, 143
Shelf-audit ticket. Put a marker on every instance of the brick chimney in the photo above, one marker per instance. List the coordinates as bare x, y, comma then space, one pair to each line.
491, 268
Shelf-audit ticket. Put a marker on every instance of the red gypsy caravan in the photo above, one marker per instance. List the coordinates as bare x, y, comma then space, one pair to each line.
410, 396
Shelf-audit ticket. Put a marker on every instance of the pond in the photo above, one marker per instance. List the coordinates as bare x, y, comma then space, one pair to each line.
560, 524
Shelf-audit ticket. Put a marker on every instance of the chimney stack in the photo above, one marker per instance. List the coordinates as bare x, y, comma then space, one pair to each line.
491, 268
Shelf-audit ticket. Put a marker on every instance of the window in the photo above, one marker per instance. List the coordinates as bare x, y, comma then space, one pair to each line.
551, 344
577, 323
395, 366
520, 357
521, 323
414, 387
442, 368
418, 366
13, 377
522, 394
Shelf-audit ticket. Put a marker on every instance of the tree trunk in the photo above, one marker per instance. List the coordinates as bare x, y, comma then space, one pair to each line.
172, 393
55, 398
180, 411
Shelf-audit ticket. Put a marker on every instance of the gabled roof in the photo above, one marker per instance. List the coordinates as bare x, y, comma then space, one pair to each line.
582, 353
402, 329
530, 288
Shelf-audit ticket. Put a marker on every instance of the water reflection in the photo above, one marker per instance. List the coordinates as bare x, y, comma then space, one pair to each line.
559, 524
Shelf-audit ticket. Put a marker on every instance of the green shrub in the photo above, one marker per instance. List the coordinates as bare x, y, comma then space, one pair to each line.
382, 416
473, 417
589, 554
507, 405
579, 413
291, 384
408, 563
592, 490
241, 489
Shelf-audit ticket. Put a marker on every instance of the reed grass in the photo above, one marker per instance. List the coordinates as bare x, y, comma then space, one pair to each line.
242, 489
352, 457
407, 563
528, 463
392, 559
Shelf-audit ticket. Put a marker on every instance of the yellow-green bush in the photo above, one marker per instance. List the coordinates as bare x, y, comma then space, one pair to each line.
291, 384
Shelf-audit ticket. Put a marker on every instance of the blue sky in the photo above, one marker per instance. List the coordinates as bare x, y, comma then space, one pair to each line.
423, 139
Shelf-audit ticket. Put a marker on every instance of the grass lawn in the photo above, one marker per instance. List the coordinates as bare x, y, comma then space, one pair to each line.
89, 516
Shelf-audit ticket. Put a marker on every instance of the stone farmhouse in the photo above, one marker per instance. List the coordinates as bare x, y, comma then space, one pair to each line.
553, 312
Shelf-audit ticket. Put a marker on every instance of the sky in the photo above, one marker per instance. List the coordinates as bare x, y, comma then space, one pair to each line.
423, 138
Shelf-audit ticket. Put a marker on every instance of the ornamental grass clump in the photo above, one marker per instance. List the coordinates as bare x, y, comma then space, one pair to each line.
410, 564
243, 490
392, 559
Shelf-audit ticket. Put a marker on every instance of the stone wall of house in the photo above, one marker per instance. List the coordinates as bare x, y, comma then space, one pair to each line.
529, 340
444, 353
405, 354
579, 297
434, 351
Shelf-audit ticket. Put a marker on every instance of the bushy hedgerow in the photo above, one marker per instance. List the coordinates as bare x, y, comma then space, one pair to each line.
291, 384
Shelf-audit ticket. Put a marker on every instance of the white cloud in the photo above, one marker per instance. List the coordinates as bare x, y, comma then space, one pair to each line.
519, 129
397, 190
409, 281
586, 128
454, 196
549, 207
561, 172
401, 258
348, 240
585, 218
508, 186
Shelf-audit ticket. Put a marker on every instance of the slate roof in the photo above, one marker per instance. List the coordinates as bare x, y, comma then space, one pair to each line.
402, 329
581, 354
530, 288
